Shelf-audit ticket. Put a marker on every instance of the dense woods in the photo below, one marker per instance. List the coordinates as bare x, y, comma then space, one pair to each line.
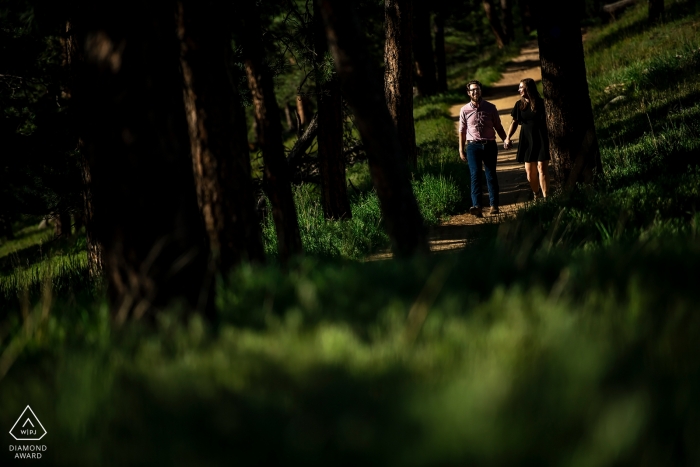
159, 180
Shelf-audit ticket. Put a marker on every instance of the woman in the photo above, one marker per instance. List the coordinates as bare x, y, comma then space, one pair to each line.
533, 149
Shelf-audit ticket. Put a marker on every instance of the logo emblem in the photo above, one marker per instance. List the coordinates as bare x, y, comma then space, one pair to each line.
28, 427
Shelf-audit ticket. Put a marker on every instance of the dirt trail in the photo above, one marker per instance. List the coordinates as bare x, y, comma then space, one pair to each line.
459, 229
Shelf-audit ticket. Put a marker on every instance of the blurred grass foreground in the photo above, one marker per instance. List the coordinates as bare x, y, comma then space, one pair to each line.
568, 336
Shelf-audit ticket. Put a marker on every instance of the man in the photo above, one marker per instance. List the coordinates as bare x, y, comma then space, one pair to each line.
478, 124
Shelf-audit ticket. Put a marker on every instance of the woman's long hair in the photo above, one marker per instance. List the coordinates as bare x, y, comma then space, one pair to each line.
532, 94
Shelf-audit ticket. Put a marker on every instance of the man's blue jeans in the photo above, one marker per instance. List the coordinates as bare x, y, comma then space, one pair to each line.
486, 153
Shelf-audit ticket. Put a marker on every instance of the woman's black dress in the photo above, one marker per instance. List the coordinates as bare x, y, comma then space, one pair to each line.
534, 142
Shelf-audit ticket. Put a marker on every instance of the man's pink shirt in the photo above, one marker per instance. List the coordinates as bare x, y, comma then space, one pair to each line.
481, 123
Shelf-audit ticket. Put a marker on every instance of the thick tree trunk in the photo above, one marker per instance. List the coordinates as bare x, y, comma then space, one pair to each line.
501, 40
440, 60
526, 16
426, 81
331, 161
218, 136
573, 142
364, 95
507, 20
269, 134
135, 139
94, 249
398, 73
656, 10
72, 58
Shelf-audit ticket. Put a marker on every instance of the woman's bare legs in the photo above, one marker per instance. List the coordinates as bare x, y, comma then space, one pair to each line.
543, 168
531, 171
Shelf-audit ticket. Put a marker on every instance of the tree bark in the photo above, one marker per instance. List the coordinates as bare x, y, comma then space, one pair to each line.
269, 135
62, 225
135, 138
398, 73
72, 61
440, 60
363, 93
573, 142
507, 20
218, 136
426, 81
656, 10
501, 40
526, 16
331, 161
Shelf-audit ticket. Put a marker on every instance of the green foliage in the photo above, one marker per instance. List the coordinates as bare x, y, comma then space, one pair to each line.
320, 362
363, 233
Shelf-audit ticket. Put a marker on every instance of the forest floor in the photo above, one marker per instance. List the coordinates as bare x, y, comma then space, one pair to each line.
457, 231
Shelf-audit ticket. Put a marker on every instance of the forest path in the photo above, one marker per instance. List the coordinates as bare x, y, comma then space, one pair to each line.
460, 229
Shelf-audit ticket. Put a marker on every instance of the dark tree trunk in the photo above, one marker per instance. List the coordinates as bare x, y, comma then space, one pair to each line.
94, 248
501, 40
656, 10
218, 136
269, 134
135, 139
426, 81
526, 16
62, 225
331, 161
440, 60
364, 95
73, 57
573, 142
507, 20
398, 73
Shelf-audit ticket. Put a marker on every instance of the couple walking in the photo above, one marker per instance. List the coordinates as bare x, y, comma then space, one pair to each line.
478, 124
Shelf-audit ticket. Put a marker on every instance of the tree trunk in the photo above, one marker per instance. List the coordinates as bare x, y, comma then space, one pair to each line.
331, 161
526, 16
94, 249
507, 20
62, 226
135, 138
656, 10
291, 122
363, 93
426, 81
269, 135
573, 142
218, 136
72, 61
398, 73
440, 60
302, 105
501, 40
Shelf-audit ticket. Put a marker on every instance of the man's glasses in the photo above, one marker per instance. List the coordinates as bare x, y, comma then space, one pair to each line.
473, 89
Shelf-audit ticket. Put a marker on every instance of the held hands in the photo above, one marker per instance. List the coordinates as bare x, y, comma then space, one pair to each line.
507, 143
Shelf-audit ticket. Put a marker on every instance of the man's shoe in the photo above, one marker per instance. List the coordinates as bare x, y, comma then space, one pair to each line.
495, 210
475, 211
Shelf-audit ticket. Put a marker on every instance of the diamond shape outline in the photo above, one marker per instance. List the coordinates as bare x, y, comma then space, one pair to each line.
20, 418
